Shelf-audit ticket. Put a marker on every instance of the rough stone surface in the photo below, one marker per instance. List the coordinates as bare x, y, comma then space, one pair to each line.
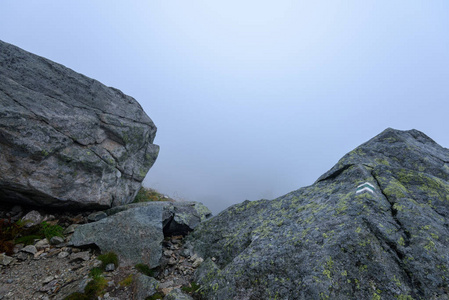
55, 272
31, 249
42, 244
32, 218
327, 241
80, 256
135, 231
109, 267
144, 287
56, 240
183, 217
96, 216
177, 294
5, 259
66, 139
135, 235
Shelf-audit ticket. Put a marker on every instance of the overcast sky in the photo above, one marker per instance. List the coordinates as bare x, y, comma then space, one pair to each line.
252, 99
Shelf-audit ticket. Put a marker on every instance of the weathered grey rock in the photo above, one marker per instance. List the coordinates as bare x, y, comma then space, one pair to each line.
144, 286
70, 229
135, 235
29, 249
109, 267
63, 254
183, 217
135, 231
75, 286
42, 244
337, 239
96, 216
66, 139
177, 294
56, 240
80, 256
48, 279
5, 259
22, 256
32, 218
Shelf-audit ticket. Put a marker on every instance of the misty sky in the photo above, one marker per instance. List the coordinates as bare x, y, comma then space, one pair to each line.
252, 99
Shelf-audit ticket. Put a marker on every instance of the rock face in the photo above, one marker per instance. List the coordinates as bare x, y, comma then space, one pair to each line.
373, 227
66, 139
135, 232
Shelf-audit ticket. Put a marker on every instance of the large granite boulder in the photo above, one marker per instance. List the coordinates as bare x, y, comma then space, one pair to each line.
135, 231
66, 139
374, 227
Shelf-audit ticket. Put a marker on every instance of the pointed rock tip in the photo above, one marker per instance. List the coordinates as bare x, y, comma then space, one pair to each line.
401, 135
386, 145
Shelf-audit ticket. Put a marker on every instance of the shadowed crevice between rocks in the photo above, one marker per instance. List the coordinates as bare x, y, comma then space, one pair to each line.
415, 284
394, 212
172, 228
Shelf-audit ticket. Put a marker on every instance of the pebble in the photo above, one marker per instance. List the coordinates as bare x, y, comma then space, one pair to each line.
22, 256
5, 259
109, 267
48, 279
29, 249
56, 240
42, 244
70, 229
85, 255
63, 254
32, 218
193, 257
197, 262
186, 253
97, 216
37, 254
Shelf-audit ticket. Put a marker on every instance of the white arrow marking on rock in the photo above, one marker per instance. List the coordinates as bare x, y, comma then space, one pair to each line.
365, 187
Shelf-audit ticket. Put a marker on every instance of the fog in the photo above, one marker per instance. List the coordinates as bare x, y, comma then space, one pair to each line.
252, 99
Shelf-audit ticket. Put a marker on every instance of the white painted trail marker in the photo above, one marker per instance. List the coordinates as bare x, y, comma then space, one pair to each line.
365, 187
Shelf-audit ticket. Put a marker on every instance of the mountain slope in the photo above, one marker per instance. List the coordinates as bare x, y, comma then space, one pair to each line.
373, 227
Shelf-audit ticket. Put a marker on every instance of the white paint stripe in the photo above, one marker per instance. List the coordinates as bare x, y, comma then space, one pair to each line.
367, 184
365, 189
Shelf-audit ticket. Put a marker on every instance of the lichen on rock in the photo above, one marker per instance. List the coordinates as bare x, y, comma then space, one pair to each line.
328, 241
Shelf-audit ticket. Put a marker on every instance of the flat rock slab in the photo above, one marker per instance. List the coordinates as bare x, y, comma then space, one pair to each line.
66, 139
135, 231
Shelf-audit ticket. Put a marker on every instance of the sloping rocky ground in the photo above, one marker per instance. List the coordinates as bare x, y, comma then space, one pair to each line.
56, 269
374, 227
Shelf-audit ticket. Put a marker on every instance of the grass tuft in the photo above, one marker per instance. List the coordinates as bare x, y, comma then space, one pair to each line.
108, 258
96, 273
191, 288
50, 231
127, 281
155, 297
95, 287
148, 195
144, 269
